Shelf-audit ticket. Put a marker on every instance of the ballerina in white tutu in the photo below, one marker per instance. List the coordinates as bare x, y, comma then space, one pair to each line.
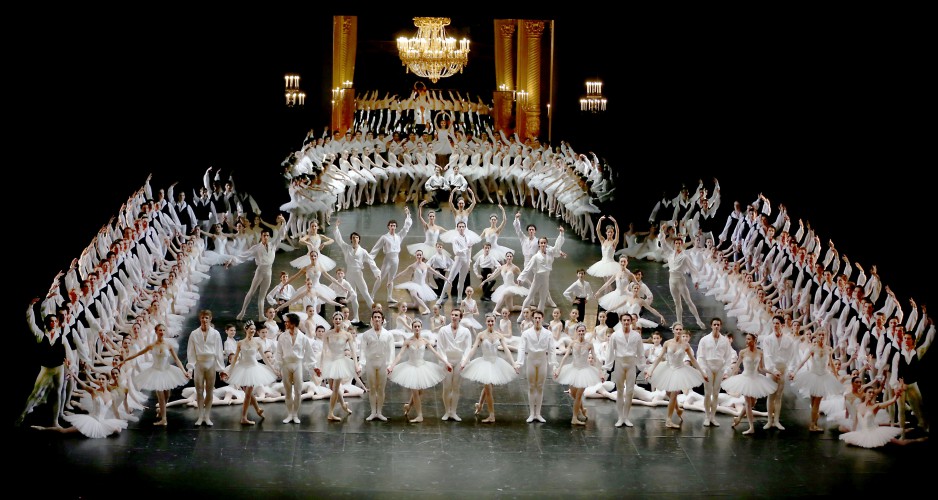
509, 289
674, 376
489, 369
416, 373
607, 265
869, 434
817, 381
431, 231
490, 235
334, 365
96, 423
160, 376
753, 383
314, 241
246, 372
419, 290
580, 374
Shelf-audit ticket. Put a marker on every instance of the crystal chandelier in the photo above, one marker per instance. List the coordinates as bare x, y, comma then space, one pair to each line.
594, 101
430, 54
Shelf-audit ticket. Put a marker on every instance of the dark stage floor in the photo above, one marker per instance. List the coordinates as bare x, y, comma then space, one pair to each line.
508, 459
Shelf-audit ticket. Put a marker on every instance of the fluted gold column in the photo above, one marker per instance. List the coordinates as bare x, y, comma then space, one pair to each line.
344, 45
521, 78
532, 34
504, 74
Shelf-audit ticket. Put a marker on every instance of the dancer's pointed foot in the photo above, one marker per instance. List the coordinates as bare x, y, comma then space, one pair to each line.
240, 316
406, 409
346, 408
736, 420
478, 408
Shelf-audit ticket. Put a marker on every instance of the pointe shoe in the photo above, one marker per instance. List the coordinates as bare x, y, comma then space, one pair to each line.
417, 419
333, 418
406, 409
346, 408
671, 425
488, 420
245, 421
749, 431
478, 408
628, 423
260, 413
736, 420
529, 419
577, 422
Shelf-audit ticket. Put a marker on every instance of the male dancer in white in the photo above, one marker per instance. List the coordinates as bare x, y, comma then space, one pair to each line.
529, 246
461, 249
679, 264
263, 253
204, 357
537, 271
715, 356
390, 244
378, 350
626, 350
294, 352
454, 341
537, 348
779, 352
355, 260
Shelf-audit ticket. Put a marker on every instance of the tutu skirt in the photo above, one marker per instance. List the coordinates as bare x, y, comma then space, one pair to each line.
488, 371
753, 386
419, 376
666, 378
584, 377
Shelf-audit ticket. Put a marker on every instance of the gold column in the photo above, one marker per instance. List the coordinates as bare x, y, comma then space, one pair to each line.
344, 44
532, 33
504, 75
521, 80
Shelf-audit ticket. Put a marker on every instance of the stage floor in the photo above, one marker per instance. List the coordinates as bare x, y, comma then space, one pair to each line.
509, 458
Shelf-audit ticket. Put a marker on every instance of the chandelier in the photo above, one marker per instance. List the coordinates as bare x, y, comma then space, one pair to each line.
430, 54
594, 101
295, 96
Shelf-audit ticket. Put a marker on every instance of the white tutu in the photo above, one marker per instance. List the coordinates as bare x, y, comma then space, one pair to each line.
422, 375
338, 369
420, 290
580, 377
666, 378
613, 301
324, 260
496, 371
251, 374
604, 268
870, 438
428, 250
817, 384
471, 323
502, 290
94, 428
160, 378
471, 237
754, 385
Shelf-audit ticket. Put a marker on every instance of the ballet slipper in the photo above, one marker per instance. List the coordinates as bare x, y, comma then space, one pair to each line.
260, 413
478, 408
247, 422
749, 431
160, 422
736, 420
577, 422
381, 417
406, 409
417, 419
333, 418
671, 425
346, 408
